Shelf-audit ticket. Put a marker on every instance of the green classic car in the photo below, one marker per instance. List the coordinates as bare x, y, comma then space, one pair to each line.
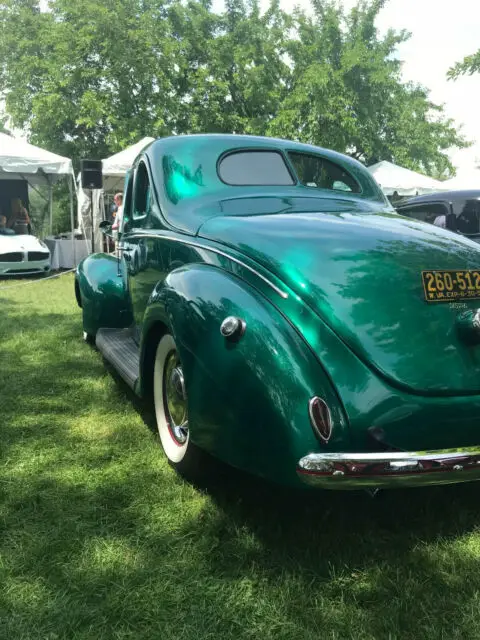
285, 319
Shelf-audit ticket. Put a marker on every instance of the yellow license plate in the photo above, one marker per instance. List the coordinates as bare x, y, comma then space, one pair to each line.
447, 286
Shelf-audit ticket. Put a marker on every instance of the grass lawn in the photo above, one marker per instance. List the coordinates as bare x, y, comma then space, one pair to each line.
100, 539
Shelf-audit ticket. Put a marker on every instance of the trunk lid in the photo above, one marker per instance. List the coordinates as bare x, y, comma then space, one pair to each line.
361, 273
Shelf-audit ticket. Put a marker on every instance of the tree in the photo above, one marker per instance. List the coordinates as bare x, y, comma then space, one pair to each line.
346, 93
3, 126
469, 65
88, 77
233, 74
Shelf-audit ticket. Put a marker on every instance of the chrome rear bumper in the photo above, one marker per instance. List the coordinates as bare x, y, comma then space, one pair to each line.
389, 469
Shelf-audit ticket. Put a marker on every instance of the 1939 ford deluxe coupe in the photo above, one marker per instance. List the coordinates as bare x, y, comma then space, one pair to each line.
287, 320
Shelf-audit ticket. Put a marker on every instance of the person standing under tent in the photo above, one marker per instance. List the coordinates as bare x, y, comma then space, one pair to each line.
112, 212
19, 215
117, 225
118, 200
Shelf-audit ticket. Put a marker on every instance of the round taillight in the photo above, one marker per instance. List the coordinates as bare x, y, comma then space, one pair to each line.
320, 418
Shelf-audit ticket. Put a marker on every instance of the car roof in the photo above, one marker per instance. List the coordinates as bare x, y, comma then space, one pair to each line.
233, 140
193, 160
449, 196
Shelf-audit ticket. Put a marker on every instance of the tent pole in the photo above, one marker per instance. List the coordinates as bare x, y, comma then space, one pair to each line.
72, 218
92, 220
50, 205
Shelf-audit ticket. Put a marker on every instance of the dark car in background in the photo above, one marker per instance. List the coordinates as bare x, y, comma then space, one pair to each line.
458, 211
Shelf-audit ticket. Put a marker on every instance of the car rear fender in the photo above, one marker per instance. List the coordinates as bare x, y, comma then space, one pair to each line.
248, 399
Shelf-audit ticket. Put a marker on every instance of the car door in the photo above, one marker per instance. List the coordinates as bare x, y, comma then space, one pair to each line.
139, 243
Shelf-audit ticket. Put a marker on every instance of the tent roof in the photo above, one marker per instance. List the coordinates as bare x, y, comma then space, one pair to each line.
469, 179
120, 163
19, 157
405, 182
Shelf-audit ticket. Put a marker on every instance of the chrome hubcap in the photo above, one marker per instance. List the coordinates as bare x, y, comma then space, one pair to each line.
175, 398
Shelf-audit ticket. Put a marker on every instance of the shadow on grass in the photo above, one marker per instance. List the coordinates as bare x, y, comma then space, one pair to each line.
100, 539
389, 559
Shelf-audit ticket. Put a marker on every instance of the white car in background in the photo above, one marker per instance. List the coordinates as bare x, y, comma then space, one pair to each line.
23, 255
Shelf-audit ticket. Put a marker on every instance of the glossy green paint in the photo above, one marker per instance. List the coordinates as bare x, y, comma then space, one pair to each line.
330, 287
362, 275
104, 299
248, 399
189, 190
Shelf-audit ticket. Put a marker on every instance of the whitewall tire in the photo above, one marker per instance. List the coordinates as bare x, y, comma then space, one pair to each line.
171, 406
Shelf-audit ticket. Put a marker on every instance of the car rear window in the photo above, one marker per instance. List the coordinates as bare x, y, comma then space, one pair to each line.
250, 168
317, 172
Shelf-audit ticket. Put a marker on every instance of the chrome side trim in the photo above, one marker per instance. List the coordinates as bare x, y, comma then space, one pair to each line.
191, 243
389, 469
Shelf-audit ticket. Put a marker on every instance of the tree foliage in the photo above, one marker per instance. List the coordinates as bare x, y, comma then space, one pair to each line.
3, 126
468, 66
346, 92
89, 77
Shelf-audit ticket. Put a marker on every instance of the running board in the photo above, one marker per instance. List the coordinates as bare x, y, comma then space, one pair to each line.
122, 352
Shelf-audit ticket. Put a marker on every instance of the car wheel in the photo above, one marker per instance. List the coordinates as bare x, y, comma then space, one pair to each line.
171, 408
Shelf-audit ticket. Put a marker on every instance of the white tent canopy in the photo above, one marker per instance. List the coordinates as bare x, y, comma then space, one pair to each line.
405, 182
469, 179
29, 162
20, 160
115, 167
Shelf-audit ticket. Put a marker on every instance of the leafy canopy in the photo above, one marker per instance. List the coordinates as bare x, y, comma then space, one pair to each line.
469, 65
87, 78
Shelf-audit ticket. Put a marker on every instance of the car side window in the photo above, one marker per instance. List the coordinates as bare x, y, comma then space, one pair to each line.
127, 201
142, 194
428, 212
468, 221
320, 173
